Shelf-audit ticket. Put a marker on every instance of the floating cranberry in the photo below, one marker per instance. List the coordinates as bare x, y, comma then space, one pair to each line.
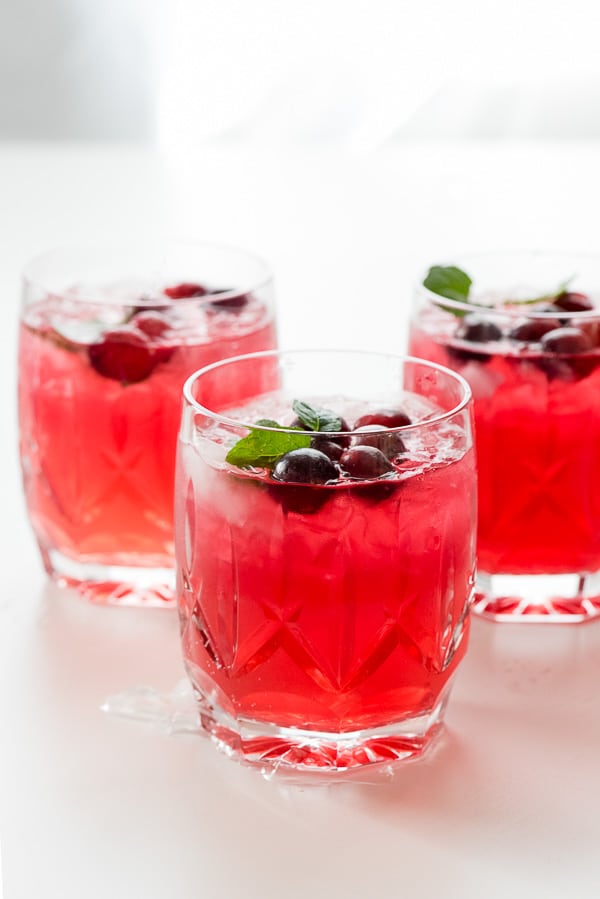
151, 323
390, 443
185, 291
235, 302
566, 341
329, 447
478, 329
365, 462
305, 466
532, 330
154, 325
388, 418
341, 440
573, 302
123, 354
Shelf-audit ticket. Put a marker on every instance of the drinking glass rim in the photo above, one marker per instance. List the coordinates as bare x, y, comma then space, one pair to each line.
37, 282
520, 312
224, 419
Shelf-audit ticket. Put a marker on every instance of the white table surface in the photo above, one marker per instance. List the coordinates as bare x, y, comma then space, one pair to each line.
96, 806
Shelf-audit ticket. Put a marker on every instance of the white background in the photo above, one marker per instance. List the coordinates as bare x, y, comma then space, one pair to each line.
353, 73
294, 130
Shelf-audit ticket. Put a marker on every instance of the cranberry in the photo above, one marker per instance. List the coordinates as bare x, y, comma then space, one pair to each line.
235, 302
305, 466
329, 447
573, 302
365, 462
567, 341
390, 444
341, 440
389, 418
185, 291
154, 325
462, 355
478, 329
123, 354
532, 330
151, 323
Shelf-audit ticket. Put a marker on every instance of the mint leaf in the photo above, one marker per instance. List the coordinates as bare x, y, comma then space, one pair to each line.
315, 418
448, 281
262, 449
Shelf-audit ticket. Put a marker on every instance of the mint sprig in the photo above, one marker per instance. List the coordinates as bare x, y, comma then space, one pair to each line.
448, 281
451, 282
262, 449
546, 297
315, 418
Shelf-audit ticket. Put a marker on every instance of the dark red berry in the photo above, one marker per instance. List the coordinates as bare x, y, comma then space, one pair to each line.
235, 302
305, 466
341, 440
462, 355
567, 341
390, 443
478, 329
151, 323
532, 330
123, 355
574, 302
388, 418
185, 291
365, 462
329, 447
154, 325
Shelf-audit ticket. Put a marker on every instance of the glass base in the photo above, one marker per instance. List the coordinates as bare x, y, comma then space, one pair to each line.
113, 585
313, 754
558, 598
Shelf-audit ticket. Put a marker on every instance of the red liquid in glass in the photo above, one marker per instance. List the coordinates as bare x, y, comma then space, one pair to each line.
343, 617
98, 454
537, 418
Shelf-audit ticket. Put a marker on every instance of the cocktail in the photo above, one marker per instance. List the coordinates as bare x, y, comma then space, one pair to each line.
107, 341
325, 531
524, 331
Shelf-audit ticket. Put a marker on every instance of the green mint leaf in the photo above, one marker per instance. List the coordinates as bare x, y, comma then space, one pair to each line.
448, 281
315, 418
262, 449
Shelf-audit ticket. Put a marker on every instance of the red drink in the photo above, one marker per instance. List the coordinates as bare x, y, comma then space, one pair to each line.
322, 622
100, 387
535, 375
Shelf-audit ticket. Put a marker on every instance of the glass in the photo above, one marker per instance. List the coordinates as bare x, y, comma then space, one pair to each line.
532, 358
107, 339
323, 593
